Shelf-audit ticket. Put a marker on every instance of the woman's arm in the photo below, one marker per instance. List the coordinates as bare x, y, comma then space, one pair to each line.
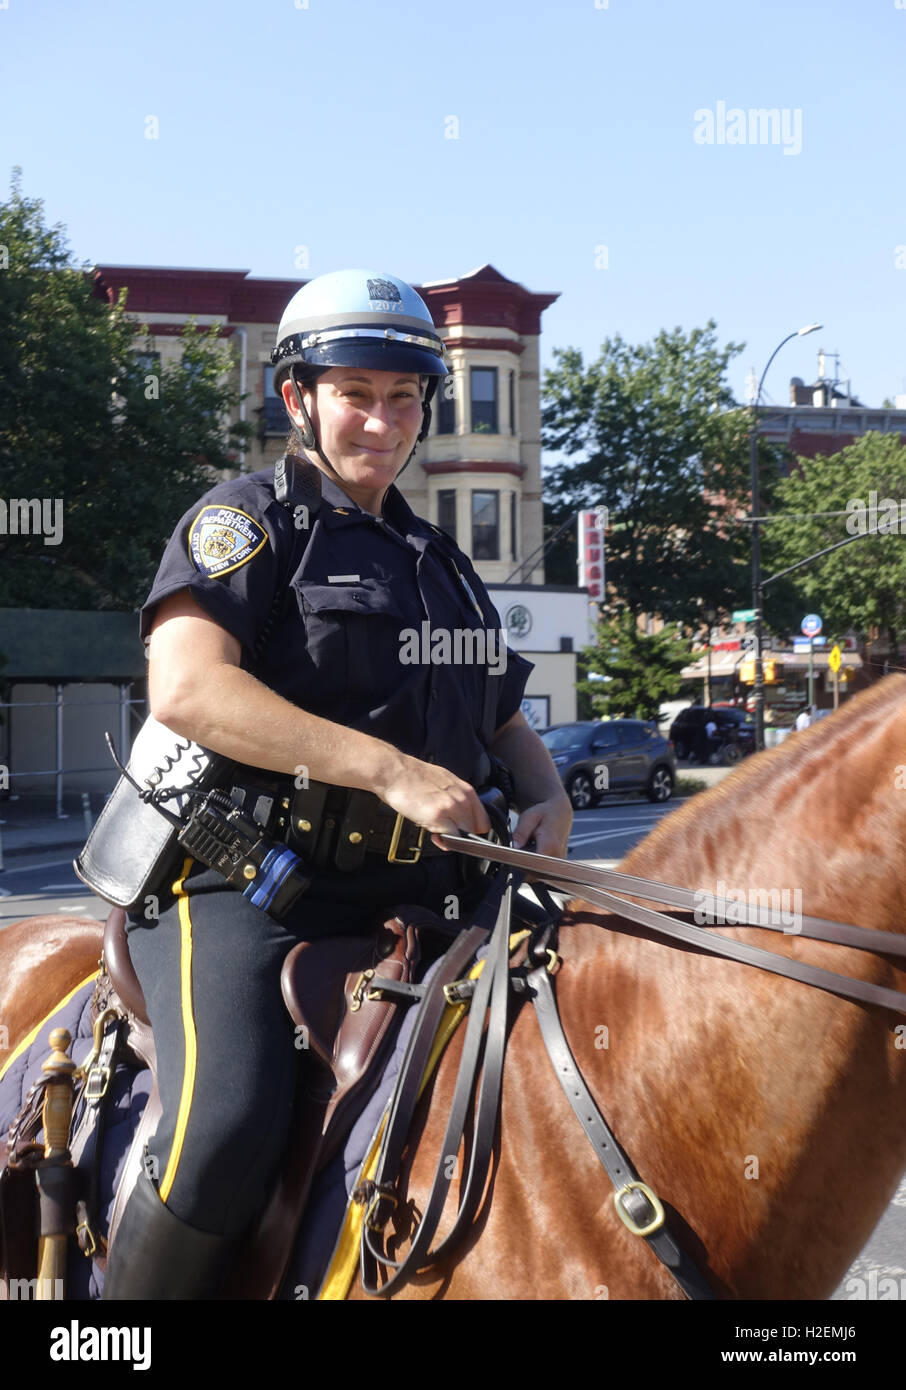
199, 690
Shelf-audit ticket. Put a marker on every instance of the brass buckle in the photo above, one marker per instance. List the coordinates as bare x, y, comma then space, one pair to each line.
358, 994
657, 1220
89, 1240
392, 856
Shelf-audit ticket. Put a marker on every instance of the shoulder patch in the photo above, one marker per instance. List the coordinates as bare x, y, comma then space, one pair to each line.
221, 539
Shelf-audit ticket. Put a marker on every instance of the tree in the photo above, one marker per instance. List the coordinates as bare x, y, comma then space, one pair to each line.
862, 585
104, 451
639, 670
657, 442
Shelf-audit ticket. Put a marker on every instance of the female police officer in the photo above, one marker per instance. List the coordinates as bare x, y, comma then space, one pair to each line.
320, 612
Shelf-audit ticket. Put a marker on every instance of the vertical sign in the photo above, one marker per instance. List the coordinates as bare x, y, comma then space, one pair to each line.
592, 528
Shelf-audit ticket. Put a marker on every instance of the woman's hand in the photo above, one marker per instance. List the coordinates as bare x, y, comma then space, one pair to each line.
433, 797
548, 823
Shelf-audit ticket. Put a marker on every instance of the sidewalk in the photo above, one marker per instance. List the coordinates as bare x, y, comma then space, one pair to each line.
29, 824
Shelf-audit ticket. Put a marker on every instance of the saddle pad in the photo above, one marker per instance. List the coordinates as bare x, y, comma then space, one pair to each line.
129, 1095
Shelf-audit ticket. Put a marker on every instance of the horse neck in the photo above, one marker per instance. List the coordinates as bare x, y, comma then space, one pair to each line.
748, 1097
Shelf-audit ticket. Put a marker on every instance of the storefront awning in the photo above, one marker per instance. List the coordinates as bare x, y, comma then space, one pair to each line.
722, 664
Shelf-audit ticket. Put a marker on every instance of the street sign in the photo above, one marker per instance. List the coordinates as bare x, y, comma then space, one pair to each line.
811, 624
834, 659
744, 615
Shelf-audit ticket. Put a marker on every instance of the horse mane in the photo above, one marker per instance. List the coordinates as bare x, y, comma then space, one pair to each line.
775, 776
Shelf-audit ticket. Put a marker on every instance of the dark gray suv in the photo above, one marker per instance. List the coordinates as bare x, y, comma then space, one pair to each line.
599, 757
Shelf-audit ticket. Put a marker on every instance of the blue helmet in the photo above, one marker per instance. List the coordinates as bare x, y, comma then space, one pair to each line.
359, 318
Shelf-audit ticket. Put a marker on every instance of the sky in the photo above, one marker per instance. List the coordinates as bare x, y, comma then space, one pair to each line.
599, 149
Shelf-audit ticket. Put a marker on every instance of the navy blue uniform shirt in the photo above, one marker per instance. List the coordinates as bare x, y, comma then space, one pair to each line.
384, 626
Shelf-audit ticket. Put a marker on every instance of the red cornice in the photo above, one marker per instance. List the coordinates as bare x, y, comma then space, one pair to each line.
475, 466
485, 298
487, 344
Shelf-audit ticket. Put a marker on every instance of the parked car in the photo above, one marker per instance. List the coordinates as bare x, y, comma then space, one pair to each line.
598, 757
735, 729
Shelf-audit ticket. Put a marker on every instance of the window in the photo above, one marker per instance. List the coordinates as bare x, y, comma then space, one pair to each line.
485, 526
512, 402
445, 403
514, 548
273, 417
484, 400
446, 511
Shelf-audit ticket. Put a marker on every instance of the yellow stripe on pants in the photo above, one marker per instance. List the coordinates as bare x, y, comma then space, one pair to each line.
188, 1024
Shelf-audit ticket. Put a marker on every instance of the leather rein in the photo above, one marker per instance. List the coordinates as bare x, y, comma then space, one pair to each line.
636, 1204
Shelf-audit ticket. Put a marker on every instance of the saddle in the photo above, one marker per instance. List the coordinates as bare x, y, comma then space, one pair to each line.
343, 1032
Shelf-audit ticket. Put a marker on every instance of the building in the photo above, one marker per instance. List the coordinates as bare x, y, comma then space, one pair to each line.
822, 418
477, 475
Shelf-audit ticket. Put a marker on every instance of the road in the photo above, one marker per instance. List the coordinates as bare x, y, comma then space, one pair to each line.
32, 885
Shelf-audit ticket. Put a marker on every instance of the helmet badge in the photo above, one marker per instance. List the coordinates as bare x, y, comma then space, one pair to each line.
385, 296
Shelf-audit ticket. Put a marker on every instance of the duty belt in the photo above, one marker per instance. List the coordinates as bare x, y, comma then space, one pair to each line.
329, 826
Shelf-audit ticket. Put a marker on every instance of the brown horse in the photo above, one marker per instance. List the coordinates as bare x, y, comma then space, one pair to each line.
768, 1116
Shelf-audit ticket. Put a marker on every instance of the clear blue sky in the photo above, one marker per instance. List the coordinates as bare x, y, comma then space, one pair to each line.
325, 126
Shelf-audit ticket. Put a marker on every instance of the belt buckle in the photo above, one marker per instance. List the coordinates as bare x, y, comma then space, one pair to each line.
392, 856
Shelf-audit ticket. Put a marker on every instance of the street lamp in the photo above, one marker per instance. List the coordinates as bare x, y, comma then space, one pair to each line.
756, 540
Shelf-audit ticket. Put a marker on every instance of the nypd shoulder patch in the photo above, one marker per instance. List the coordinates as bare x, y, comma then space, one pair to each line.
223, 538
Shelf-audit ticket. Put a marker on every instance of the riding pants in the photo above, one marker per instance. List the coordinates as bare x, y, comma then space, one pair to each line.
209, 966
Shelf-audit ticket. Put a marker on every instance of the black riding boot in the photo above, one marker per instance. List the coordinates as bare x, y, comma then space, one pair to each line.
157, 1256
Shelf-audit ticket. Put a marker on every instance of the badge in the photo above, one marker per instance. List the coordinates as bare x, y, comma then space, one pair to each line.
222, 538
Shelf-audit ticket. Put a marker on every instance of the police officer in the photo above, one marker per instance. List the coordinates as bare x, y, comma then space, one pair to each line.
313, 643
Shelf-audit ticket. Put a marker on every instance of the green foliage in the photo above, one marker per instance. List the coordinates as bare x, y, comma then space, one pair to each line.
862, 585
641, 670
656, 440
81, 422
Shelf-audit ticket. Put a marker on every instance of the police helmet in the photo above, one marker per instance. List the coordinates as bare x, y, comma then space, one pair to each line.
359, 318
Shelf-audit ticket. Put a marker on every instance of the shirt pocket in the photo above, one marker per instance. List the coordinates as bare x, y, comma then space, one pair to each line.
353, 640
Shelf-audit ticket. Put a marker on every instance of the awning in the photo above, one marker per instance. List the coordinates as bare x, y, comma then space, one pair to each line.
722, 664
798, 661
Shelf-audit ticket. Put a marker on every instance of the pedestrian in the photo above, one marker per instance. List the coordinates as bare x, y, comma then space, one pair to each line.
329, 700
803, 719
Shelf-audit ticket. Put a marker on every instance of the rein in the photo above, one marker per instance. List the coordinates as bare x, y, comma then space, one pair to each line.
600, 886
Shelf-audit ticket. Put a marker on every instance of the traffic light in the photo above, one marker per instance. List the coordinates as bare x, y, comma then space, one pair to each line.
747, 672
770, 672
